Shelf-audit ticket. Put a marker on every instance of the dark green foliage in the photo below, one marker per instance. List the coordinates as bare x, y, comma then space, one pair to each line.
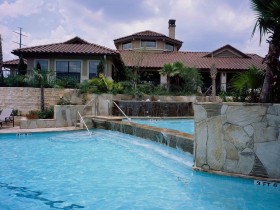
16, 112
48, 113
268, 23
247, 85
192, 80
63, 101
66, 82
100, 85
100, 67
38, 67
21, 66
146, 88
15, 81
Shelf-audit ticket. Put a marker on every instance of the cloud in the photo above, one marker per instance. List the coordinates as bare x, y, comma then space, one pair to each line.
19, 8
203, 25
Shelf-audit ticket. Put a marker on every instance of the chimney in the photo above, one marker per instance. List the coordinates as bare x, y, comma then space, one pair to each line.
171, 27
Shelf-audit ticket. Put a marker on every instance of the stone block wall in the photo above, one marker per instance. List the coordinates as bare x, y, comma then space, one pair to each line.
64, 116
238, 138
25, 99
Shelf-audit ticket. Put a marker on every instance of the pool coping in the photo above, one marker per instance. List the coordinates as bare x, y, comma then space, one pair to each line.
235, 175
17, 129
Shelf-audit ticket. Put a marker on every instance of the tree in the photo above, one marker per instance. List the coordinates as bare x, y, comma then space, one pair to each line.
100, 67
21, 66
192, 79
1, 62
268, 22
213, 75
171, 70
248, 83
41, 78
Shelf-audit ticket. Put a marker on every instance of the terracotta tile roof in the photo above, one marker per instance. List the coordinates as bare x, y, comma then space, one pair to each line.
147, 34
13, 62
72, 46
227, 47
191, 59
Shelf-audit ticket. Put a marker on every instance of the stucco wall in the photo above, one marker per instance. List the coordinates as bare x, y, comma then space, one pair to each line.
238, 138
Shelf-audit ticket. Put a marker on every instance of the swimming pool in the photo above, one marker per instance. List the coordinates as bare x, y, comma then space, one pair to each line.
182, 125
111, 170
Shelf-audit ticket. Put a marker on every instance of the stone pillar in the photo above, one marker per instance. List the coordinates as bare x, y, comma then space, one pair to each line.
238, 138
223, 81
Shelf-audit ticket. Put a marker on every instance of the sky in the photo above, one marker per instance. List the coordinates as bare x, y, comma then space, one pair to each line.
202, 25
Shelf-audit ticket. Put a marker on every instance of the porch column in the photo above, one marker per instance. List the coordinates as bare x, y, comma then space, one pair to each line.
223, 81
163, 79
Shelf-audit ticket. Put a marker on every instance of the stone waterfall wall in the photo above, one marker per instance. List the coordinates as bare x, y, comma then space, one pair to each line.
171, 138
238, 138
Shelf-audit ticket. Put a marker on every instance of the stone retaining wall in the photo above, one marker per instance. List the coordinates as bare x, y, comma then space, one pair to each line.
238, 138
64, 116
25, 99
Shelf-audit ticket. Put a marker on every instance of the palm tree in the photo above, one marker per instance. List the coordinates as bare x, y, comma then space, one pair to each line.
268, 22
248, 82
171, 70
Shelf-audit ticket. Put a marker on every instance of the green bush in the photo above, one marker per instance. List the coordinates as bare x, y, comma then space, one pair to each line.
15, 81
247, 84
63, 101
48, 113
100, 85
66, 82
146, 88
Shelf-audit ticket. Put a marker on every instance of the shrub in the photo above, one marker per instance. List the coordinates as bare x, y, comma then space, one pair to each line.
66, 82
15, 81
32, 115
247, 84
48, 113
63, 101
100, 85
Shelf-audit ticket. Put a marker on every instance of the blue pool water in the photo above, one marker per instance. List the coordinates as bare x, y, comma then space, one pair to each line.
182, 125
111, 170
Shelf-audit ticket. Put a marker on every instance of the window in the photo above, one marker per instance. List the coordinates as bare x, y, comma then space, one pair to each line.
148, 43
169, 47
92, 67
127, 45
43, 63
68, 68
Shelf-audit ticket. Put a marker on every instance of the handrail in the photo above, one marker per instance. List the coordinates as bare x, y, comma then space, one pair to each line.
84, 122
129, 119
76, 119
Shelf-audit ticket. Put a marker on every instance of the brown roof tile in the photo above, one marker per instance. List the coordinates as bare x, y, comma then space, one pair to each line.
72, 46
13, 62
147, 34
191, 59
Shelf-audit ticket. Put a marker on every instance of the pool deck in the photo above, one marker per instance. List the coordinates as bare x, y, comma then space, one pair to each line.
16, 129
